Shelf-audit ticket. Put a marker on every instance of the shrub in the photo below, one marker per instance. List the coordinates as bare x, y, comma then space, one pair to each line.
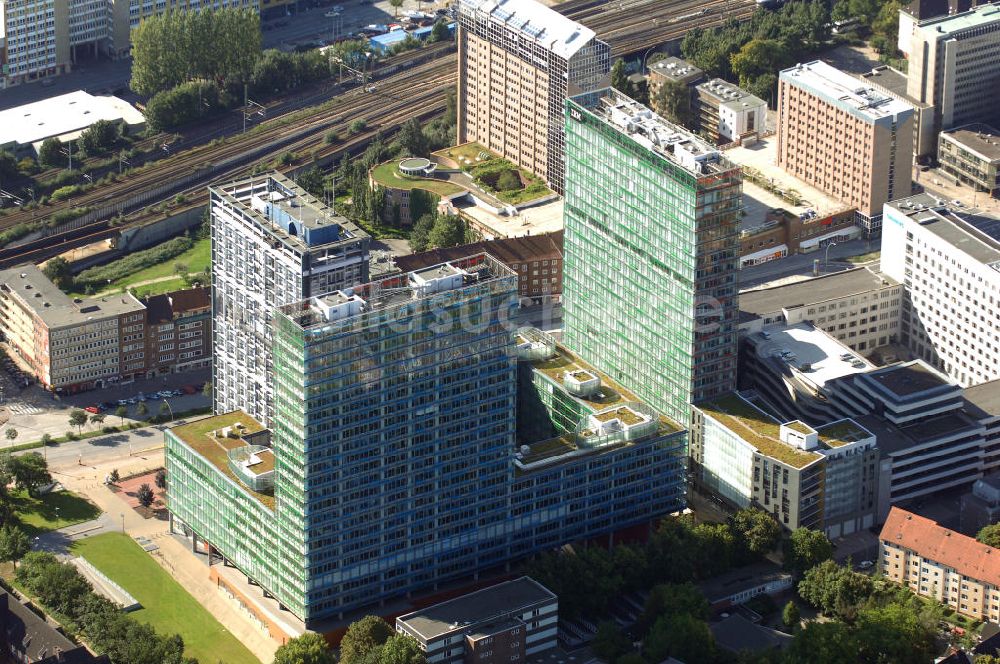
62, 193
140, 260
331, 137
357, 126
508, 181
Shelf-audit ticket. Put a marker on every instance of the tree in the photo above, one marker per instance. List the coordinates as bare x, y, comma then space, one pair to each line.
790, 615
114, 476
8, 167
509, 181
895, 633
357, 126
396, 4
10, 434
412, 139
30, 472
716, 548
161, 479
681, 636
164, 409
631, 658
144, 494
401, 649
610, 642
14, 544
757, 58
142, 410
206, 389
835, 590
990, 535
78, 418
619, 77
310, 648
97, 419
823, 643
440, 32
673, 101
50, 153
362, 637
448, 231
672, 598
756, 530
46, 440
807, 548
420, 235
121, 412
59, 272
99, 138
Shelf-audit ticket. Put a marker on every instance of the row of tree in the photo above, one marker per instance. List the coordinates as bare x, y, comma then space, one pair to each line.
677, 552
62, 589
177, 46
370, 640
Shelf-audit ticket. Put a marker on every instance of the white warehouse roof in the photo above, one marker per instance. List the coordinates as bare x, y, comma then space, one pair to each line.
62, 116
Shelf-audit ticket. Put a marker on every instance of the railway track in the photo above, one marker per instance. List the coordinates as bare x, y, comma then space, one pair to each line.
629, 26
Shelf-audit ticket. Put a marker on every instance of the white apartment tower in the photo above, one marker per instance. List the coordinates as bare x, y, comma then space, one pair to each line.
518, 61
955, 66
950, 270
272, 244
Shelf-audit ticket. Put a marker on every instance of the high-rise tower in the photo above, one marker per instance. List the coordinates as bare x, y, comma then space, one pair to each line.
651, 249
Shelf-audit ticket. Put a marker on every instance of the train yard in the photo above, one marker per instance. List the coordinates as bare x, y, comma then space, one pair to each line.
411, 85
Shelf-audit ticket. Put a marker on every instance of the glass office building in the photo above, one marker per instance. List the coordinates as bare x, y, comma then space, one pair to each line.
651, 252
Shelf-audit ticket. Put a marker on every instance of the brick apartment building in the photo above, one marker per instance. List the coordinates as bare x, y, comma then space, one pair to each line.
942, 564
789, 234
537, 259
179, 333
70, 345
845, 138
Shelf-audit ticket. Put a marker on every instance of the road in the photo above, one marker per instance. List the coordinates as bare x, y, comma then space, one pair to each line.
802, 264
125, 446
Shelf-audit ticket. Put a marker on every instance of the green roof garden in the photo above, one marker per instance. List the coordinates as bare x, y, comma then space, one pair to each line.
200, 437
841, 433
757, 428
388, 175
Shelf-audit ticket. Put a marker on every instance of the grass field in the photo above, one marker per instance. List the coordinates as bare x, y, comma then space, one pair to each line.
197, 259
52, 511
166, 605
388, 174
864, 258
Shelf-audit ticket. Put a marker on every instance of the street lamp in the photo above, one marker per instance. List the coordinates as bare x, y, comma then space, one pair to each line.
826, 258
123, 522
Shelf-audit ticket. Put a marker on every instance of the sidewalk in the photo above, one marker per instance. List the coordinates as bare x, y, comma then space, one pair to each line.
179, 561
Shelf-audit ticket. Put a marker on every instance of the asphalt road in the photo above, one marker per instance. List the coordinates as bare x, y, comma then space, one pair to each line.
104, 449
802, 264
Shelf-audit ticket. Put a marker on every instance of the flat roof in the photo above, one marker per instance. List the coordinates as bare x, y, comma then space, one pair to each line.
729, 95
543, 25
748, 576
61, 115
891, 438
55, 308
845, 91
812, 291
198, 436
979, 238
660, 136
295, 201
985, 397
909, 379
399, 289
812, 346
892, 80
676, 69
944, 27
476, 608
978, 138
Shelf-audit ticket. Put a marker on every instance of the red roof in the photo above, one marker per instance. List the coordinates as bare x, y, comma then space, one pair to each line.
947, 547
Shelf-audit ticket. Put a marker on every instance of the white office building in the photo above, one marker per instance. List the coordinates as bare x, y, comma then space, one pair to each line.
272, 244
949, 265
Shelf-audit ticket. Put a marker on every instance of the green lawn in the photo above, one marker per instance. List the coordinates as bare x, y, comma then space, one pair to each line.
388, 175
166, 605
197, 259
864, 258
52, 511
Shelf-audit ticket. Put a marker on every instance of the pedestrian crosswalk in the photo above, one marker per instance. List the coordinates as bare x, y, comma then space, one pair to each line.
21, 408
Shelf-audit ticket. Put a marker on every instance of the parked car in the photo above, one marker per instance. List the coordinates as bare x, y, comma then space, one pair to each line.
93, 410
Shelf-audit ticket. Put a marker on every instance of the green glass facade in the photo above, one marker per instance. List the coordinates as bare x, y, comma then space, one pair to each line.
650, 253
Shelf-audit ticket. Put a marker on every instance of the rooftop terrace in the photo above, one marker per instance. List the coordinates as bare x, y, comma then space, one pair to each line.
201, 437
